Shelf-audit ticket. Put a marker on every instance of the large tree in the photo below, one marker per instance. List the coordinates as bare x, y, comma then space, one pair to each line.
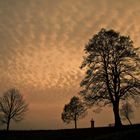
73, 111
12, 107
112, 71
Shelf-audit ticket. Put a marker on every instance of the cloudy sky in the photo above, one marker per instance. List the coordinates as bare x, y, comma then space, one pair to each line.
41, 49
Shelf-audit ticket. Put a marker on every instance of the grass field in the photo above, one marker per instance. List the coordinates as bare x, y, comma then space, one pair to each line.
101, 133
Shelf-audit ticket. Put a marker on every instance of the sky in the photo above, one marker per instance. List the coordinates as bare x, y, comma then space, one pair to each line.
42, 47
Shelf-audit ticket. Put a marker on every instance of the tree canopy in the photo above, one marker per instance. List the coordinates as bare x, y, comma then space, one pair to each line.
73, 111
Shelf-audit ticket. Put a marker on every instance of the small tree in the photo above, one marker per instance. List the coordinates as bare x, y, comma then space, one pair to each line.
112, 71
73, 111
127, 112
12, 107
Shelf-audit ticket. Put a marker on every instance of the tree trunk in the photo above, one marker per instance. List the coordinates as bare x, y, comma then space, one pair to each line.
8, 125
129, 121
75, 122
118, 122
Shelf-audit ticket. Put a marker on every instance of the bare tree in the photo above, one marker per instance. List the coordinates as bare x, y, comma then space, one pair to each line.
112, 73
126, 112
73, 111
12, 107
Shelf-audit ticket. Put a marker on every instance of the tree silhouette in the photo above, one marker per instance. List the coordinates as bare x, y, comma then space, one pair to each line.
112, 71
126, 112
73, 111
12, 107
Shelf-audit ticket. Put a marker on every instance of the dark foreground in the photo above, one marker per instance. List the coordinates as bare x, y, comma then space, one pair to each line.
102, 133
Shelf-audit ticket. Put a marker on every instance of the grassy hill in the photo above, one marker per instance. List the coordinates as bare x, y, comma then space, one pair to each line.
100, 133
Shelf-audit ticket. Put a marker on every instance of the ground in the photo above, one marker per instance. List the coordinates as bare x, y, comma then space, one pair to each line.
101, 133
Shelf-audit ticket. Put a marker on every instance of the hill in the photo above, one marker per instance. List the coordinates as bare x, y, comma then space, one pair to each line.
100, 133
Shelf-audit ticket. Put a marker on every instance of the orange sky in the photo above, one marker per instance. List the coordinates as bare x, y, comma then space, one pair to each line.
41, 49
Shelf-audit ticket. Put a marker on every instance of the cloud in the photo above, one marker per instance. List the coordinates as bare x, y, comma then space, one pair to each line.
42, 42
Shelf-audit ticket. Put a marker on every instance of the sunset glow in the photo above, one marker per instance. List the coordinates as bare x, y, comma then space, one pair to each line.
42, 47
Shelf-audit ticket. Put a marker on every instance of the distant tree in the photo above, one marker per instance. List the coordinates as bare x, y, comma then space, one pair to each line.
112, 73
12, 107
127, 112
73, 111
